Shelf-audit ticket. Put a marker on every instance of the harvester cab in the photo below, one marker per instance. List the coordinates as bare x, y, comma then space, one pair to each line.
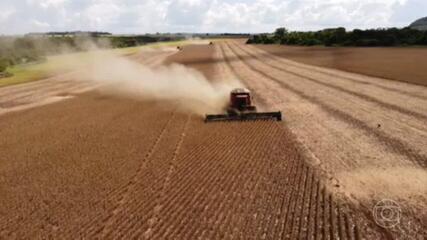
241, 108
240, 100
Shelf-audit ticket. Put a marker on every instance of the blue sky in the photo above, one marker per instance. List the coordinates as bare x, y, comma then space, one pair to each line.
141, 16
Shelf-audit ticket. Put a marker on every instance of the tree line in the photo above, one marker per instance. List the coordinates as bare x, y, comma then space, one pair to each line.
341, 37
71, 33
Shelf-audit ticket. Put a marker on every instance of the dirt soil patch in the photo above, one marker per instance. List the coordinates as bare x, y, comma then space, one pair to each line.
401, 64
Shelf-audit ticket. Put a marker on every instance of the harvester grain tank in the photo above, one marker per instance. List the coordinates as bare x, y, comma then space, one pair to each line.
241, 108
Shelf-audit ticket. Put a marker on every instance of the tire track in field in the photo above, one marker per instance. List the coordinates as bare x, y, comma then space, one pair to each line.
124, 197
390, 106
152, 221
131, 228
255, 173
141, 210
115, 194
93, 228
207, 187
341, 76
141, 204
393, 144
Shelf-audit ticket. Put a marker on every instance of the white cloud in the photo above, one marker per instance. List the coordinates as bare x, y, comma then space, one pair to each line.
137, 16
101, 15
408, 11
39, 25
187, 14
6, 12
244, 17
46, 3
51, 3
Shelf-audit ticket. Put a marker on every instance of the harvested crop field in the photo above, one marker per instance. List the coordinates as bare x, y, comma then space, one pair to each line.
103, 165
405, 64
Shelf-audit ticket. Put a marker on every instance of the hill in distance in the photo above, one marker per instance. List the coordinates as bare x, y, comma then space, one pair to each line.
420, 24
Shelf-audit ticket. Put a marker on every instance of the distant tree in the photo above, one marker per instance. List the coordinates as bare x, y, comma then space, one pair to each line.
280, 33
424, 39
4, 63
340, 37
266, 39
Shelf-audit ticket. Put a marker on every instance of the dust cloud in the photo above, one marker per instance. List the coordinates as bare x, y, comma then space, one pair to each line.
197, 40
185, 87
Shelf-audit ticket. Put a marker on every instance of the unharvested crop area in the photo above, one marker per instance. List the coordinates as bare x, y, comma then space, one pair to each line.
108, 166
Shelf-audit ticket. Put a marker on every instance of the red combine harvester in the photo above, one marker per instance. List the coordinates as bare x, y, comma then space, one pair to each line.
241, 108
